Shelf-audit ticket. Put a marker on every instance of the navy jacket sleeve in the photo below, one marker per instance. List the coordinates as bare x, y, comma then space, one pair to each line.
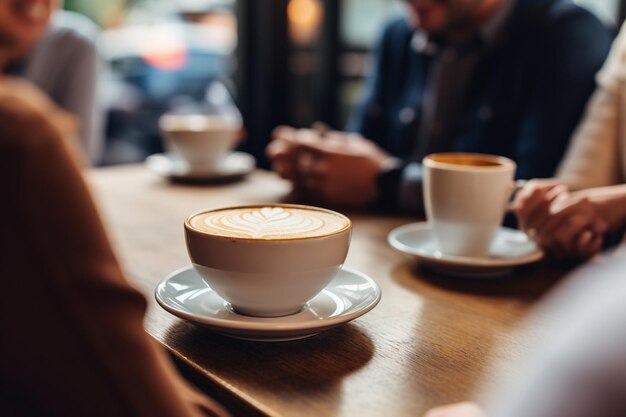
370, 117
567, 58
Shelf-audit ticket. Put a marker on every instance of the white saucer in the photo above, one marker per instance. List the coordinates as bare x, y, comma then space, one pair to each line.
349, 295
234, 165
511, 248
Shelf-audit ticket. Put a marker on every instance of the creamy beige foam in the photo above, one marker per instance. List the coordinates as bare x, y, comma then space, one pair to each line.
272, 222
196, 123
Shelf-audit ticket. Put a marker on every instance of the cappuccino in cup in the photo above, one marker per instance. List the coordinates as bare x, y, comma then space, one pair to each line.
466, 196
201, 140
268, 260
272, 222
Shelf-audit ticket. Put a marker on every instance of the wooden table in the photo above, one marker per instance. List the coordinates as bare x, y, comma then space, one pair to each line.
431, 340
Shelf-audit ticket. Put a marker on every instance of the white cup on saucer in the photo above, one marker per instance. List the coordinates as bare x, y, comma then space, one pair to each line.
201, 140
466, 196
268, 261
203, 133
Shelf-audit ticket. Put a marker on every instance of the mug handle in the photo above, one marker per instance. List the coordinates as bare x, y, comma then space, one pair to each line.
517, 185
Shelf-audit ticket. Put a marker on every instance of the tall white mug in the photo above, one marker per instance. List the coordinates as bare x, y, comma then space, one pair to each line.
466, 196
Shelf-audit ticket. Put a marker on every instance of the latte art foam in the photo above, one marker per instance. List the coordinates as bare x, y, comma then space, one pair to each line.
269, 222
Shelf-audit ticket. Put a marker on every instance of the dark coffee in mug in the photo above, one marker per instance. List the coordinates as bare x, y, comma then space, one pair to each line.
468, 159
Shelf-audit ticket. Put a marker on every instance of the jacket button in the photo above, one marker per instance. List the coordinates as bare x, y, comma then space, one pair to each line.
485, 113
406, 115
374, 110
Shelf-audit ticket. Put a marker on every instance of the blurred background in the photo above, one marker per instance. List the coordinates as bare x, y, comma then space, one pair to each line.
284, 61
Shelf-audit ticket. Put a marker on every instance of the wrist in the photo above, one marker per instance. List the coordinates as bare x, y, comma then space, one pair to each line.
387, 186
613, 212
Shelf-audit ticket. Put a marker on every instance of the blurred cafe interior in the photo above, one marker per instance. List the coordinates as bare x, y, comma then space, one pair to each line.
321, 208
284, 62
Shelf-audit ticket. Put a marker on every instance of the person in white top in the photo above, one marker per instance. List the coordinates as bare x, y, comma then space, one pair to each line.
573, 224
55, 51
577, 367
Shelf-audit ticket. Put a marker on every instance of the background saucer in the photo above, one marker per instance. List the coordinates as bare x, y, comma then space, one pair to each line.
233, 166
511, 248
349, 295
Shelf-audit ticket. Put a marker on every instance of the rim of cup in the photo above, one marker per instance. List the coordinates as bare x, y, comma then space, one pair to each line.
192, 229
502, 163
196, 122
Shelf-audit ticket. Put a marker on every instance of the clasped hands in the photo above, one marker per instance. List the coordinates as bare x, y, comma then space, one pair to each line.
566, 224
329, 167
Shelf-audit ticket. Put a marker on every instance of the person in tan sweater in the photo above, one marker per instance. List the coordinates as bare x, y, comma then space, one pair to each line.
571, 215
73, 342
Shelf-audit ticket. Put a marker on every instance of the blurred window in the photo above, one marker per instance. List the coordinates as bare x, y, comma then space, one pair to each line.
362, 20
606, 10
161, 48
158, 54
361, 23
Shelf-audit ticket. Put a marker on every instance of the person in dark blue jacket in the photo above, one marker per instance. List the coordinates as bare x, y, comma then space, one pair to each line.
505, 77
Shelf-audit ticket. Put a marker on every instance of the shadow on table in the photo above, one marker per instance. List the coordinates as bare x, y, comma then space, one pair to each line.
227, 180
200, 181
303, 370
527, 283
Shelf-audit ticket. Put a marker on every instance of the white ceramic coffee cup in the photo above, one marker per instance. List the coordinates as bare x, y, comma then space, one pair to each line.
267, 277
466, 196
201, 140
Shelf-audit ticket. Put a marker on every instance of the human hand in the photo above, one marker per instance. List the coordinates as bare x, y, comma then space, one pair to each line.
532, 202
564, 224
330, 167
341, 169
281, 151
464, 409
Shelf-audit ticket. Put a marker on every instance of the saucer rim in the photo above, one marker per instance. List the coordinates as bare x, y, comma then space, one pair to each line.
463, 261
213, 173
268, 324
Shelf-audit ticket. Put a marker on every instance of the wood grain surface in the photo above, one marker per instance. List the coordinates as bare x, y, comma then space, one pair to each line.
431, 340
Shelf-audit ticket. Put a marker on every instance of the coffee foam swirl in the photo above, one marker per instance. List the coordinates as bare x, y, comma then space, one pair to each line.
269, 222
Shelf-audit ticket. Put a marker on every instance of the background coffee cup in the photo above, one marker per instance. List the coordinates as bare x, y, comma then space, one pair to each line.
466, 196
201, 140
268, 277
203, 132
